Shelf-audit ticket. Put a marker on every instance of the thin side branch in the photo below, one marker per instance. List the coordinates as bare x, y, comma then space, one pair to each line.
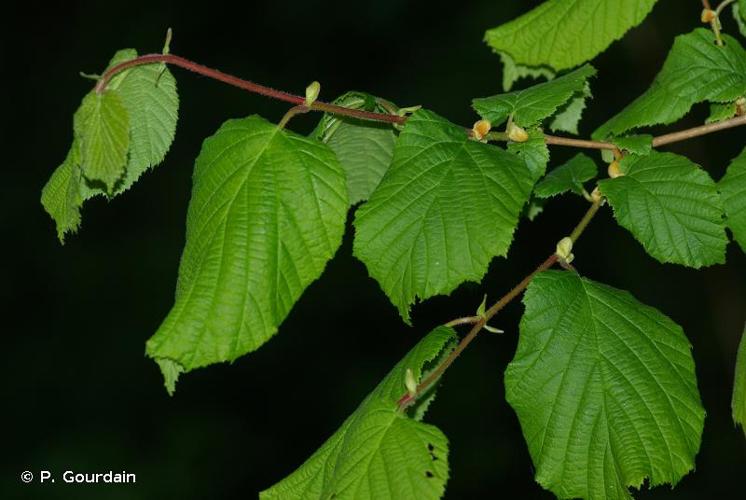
382, 117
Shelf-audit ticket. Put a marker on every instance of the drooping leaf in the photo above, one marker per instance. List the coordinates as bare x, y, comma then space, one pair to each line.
567, 177
604, 388
445, 208
61, 195
568, 116
695, 70
532, 105
672, 208
562, 34
150, 96
102, 130
722, 111
534, 152
379, 451
364, 148
733, 192
636, 144
267, 212
738, 403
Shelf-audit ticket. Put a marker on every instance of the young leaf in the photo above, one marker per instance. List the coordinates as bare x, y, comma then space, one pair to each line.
379, 452
150, 96
738, 403
695, 70
739, 14
102, 130
364, 148
445, 208
61, 195
534, 152
267, 212
567, 177
604, 388
561, 34
722, 111
636, 144
568, 116
733, 193
513, 72
671, 206
532, 105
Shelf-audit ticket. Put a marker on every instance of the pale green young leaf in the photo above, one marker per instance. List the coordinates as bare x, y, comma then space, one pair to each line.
636, 144
604, 388
733, 193
721, 111
562, 34
267, 212
569, 115
364, 148
513, 72
671, 206
532, 105
738, 403
567, 177
534, 152
150, 96
445, 208
102, 130
61, 196
695, 70
379, 452
739, 13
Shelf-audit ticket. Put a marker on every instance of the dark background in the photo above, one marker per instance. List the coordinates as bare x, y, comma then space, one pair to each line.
78, 392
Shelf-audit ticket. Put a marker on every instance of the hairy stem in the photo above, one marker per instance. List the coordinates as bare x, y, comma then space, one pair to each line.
381, 117
242, 84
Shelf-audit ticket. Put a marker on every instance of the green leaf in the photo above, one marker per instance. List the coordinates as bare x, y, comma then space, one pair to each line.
695, 70
513, 72
604, 388
671, 206
561, 34
379, 452
364, 148
733, 193
267, 212
61, 195
568, 116
534, 152
739, 13
445, 208
102, 129
567, 177
720, 112
636, 144
738, 403
150, 96
532, 105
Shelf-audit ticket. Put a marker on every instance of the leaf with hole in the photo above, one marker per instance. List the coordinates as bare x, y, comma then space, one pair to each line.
267, 212
604, 388
379, 451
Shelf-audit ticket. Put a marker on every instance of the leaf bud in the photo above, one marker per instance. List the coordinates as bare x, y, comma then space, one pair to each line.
481, 129
312, 93
516, 133
614, 170
410, 382
708, 15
